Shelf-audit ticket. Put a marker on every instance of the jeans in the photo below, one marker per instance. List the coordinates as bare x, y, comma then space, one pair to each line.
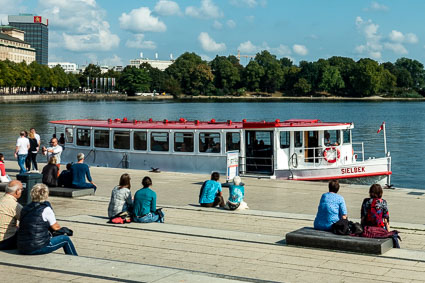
21, 162
9, 243
148, 218
84, 186
56, 243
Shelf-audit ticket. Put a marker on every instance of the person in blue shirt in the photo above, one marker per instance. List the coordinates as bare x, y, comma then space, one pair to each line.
144, 204
79, 173
331, 208
211, 193
236, 194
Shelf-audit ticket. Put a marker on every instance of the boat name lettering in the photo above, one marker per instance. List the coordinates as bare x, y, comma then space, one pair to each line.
353, 170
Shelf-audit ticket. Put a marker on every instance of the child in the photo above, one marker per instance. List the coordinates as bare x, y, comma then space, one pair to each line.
236, 195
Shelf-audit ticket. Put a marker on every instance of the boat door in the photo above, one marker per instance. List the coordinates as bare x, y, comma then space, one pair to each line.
259, 152
311, 144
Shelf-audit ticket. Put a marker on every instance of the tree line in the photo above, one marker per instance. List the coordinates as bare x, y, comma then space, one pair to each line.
264, 74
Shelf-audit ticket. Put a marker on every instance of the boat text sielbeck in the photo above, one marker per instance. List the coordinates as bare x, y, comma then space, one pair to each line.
297, 149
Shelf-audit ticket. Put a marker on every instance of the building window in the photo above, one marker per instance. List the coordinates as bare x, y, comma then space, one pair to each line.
122, 139
183, 142
83, 137
101, 138
209, 142
159, 141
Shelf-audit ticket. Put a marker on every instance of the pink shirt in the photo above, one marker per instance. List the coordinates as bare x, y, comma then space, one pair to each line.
2, 168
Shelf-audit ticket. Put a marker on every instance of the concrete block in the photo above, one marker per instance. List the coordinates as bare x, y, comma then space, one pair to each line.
62, 192
308, 237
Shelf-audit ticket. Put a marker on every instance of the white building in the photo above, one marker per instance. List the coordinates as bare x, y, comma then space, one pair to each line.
66, 66
160, 64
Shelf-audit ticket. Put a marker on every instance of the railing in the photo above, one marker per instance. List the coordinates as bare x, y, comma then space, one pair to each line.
259, 165
360, 152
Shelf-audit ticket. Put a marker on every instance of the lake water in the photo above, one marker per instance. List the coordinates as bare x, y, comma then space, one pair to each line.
404, 121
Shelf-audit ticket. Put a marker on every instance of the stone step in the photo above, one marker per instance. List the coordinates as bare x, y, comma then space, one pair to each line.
62, 192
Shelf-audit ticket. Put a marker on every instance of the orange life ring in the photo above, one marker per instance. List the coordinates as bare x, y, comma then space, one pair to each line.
328, 156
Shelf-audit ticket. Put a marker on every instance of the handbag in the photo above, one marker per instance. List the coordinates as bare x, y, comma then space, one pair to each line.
63, 231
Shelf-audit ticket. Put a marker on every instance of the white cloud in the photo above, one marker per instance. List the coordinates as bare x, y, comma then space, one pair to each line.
217, 25
207, 10
396, 47
398, 36
300, 49
375, 6
209, 45
248, 3
140, 43
81, 25
141, 20
411, 38
167, 8
231, 24
248, 47
10, 7
373, 46
206, 57
282, 50
115, 60
250, 19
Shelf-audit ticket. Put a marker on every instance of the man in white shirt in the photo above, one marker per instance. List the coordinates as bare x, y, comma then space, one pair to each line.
21, 151
55, 150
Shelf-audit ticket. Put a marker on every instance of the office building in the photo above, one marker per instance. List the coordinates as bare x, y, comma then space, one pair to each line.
66, 66
36, 33
13, 47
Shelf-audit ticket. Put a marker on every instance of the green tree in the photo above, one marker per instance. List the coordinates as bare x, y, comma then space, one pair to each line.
331, 80
416, 70
367, 77
273, 75
302, 86
134, 80
252, 76
226, 74
158, 77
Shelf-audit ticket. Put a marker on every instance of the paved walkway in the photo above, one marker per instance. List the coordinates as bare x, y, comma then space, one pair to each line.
198, 244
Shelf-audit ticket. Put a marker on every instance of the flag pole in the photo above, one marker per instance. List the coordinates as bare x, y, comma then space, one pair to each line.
385, 139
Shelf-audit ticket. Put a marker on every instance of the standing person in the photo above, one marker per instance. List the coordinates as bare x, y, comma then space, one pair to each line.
10, 213
36, 136
331, 208
121, 197
4, 178
62, 141
211, 192
374, 210
55, 150
236, 195
37, 218
79, 173
50, 173
144, 206
32, 153
21, 151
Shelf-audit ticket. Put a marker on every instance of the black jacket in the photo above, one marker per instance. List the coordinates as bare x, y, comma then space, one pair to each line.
50, 175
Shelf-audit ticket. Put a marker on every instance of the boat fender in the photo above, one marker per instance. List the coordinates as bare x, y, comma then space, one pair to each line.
331, 158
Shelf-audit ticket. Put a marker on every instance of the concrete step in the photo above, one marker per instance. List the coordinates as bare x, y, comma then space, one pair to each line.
61, 192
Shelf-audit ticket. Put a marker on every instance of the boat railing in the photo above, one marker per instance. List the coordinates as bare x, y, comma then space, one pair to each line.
259, 165
316, 156
358, 151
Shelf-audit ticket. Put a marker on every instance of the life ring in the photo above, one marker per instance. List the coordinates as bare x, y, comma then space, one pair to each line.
329, 155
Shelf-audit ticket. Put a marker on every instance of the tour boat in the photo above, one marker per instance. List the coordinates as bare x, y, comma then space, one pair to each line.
296, 149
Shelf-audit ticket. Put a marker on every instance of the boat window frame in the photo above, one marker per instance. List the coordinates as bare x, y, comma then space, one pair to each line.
121, 130
72, 132
151, 141
183, 132
225, 140
219, 132
288, 139
109, 137
350, 136
147, 140
89, 129
301, 139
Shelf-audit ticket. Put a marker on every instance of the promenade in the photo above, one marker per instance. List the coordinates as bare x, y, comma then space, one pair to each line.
212, 245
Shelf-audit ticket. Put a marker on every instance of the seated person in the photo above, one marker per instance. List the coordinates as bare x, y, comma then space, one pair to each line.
121, 197
144, 205
50, 173
10, 211
79, 173
4, 178
374, 210
37, 219
236, 194
65, 178
211, 194
331, 208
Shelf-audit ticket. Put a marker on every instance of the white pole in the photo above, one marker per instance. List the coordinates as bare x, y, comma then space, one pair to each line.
385, 139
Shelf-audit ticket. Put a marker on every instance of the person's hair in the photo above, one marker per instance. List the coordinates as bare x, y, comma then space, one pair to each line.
62, 135
32, 129
146, 182
22, 133
80, 156
31, 135
237, 180
53, 160
125, 181
12, 186
39, 193
215, 176
1, 156
68, 166
376, 191
334, 186
54, 139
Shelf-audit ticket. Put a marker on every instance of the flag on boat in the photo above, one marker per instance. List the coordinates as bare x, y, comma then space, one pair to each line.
381, 128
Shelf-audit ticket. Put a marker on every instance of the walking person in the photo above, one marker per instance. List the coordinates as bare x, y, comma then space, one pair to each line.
21, 151
32, 153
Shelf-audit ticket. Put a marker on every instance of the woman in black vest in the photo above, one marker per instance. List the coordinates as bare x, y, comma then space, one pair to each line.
37, 218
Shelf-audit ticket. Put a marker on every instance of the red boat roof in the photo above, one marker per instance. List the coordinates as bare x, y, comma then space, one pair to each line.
184, 124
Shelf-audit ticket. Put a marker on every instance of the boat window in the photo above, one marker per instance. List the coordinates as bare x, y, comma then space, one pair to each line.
122, 139
69, 135
346, 134
284, 139
159, 141
298, 139
233, 141
101, 138
332, 137
209, 142
183, 142
140, 141
83, 137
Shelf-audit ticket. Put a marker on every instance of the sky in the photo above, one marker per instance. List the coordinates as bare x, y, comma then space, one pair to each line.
111, 32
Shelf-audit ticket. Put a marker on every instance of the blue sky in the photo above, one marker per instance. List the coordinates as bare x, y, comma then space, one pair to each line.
111, 32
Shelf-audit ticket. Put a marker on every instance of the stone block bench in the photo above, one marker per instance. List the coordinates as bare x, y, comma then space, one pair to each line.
308, 237
61, 192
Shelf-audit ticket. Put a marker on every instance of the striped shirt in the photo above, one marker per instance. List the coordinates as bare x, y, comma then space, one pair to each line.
10, 212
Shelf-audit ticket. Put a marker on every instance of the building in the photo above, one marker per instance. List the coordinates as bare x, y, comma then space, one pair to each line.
160, 64
13, 47
36, 33
66, 66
